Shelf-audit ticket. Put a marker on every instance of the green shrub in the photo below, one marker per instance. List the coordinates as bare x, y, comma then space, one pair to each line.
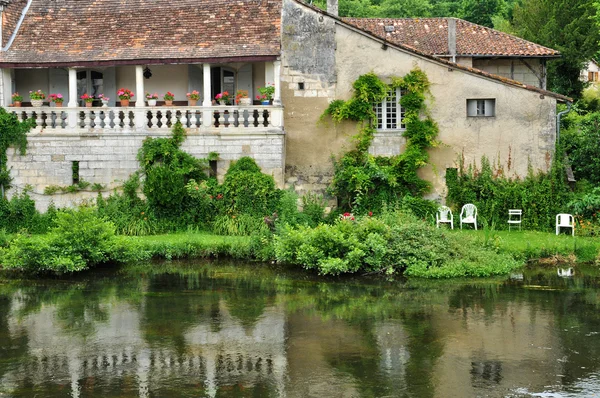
239, 225
395, 242
540, 195
246, 190
313, 207
78, 240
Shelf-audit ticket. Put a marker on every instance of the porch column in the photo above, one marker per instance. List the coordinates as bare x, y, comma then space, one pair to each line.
6, 96
207, 114
72, 88
72, 114
277, 83
207, 101
139, 86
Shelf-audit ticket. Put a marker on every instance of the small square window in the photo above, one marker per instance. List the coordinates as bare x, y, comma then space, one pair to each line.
301, 86
481, 107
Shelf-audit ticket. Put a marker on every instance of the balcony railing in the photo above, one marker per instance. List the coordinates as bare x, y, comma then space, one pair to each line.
145, 119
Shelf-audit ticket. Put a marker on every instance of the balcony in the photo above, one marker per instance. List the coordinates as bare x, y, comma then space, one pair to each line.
197, 119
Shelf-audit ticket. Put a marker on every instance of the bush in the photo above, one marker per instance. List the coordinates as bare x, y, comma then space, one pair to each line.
246, 190
19, 214
79, 240
395, 242
540, 196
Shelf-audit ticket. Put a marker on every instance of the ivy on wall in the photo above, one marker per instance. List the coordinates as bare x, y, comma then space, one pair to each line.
363, 182
12, 132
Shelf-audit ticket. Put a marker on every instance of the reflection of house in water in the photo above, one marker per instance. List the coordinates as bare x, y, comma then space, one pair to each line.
115, 348
393, 341
484, 353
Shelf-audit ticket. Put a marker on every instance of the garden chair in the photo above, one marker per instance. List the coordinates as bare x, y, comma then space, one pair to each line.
444, 215
468, 215
565, 221
514, 218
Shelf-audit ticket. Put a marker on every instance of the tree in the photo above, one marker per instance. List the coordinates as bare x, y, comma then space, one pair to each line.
570, 27
480, 11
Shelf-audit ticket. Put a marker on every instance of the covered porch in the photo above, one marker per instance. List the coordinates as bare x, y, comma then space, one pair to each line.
209, 79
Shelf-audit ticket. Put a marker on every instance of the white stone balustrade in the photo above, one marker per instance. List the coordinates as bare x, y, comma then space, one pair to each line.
140, 119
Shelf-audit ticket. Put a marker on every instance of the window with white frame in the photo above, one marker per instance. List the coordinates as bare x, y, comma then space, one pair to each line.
481, 107
389, 112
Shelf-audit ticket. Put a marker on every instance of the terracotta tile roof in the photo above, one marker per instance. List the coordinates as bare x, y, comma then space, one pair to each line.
70, 31
430, 35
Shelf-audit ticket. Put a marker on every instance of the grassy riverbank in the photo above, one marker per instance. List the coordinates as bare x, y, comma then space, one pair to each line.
533, 245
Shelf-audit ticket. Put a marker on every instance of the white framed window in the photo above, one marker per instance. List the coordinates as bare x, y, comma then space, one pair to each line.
389, 112
481, 107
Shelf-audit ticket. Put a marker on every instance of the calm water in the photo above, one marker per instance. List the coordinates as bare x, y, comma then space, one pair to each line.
215, 330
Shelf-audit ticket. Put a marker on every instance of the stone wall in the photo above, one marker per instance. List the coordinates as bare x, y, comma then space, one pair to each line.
109, 159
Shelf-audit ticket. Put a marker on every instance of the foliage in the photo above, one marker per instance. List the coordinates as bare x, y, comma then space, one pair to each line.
246, 190
558, 24
313, 207
540, 196
128, 213
239, 225
19, 213
167, 170
581, 139
14, 133
78, 240
363, 182
395, 242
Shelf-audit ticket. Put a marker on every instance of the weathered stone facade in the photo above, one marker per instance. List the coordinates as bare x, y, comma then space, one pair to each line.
109, 159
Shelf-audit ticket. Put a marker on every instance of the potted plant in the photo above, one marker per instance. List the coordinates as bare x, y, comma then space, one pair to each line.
104, 99
151, 98
223, 98
193, 98
37, 97
266, 94
241, 97
57, 99
169, 97
88, 99
124, 95
17, 99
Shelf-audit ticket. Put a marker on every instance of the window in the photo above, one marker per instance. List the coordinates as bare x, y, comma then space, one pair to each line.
89, 82
481, 107
389, 112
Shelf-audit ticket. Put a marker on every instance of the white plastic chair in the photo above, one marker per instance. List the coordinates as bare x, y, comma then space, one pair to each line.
442, 216
564, 220
470, 215
514, 218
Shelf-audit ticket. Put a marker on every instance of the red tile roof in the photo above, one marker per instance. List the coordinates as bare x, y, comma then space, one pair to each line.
71, 32
430, 35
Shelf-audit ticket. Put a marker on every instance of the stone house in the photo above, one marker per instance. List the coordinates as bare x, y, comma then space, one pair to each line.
591, 72
311, 57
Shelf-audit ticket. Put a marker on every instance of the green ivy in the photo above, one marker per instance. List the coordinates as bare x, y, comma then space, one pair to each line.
12, 132
363, 182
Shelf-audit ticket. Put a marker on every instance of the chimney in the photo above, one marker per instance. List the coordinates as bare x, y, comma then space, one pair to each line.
452, 38
332, 7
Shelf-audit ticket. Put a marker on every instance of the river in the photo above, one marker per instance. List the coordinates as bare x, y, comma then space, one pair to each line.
222, 329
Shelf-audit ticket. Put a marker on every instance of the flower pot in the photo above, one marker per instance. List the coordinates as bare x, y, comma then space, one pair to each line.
222, 103
192, 102
104, 103
17, 104
168, 102
151, 102
245, 101
58, 104
124, 102
265, 102
88, 104
37, 102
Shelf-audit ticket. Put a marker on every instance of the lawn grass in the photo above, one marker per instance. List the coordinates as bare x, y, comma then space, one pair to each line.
530, 245
193, 245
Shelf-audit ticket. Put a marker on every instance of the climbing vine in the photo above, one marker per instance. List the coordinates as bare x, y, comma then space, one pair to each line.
12, 132
363, 182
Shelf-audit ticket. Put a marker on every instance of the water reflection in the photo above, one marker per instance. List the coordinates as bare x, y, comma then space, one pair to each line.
216, 330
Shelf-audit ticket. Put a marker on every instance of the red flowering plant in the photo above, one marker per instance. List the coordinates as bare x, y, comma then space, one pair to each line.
150, 96
124, 94
37, 95
347, 216
224, 96
194, 95
87, 98
56, 98
169, 96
